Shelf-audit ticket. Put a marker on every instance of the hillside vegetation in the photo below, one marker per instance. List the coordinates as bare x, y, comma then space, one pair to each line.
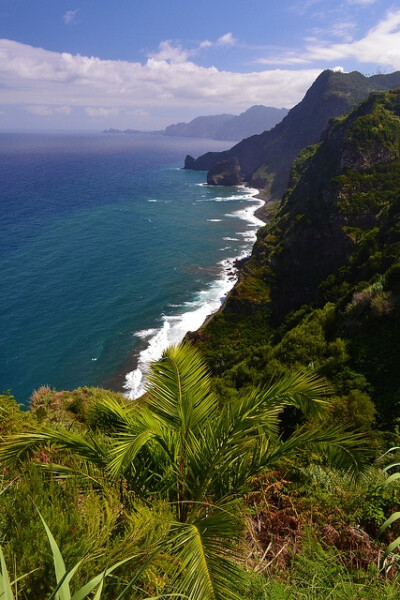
321, 289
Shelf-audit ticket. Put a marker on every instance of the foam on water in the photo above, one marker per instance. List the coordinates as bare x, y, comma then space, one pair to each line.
206, 302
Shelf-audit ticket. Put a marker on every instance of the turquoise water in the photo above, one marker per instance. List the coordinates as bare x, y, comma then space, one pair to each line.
108, 252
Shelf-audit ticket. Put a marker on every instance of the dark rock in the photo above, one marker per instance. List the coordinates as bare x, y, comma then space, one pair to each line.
189, 162
226, 172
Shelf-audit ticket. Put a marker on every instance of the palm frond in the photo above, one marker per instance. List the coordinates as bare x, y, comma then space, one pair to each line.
206, 554
125, 450
179, 389
21, 446
342, 449
109, 414
307, 392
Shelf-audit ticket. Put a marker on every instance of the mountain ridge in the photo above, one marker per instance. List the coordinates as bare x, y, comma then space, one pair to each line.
254, 120
265, 159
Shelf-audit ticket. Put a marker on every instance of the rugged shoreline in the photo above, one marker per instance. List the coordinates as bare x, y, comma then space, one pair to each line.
226, 276
237, 267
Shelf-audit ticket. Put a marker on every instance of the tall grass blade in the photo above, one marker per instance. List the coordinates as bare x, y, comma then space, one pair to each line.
64, 592
89, 587
6, 592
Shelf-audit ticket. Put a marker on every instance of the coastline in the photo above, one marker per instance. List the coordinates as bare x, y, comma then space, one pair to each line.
176, 327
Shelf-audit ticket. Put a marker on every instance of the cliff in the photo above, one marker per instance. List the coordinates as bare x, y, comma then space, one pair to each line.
326, 268
254, 120
226, 172
265, 159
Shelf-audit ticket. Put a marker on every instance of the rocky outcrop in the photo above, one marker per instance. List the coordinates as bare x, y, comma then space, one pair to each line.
226, 172
190, 162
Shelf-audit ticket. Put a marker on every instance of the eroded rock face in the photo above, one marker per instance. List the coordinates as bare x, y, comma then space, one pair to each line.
226, 172
189, 162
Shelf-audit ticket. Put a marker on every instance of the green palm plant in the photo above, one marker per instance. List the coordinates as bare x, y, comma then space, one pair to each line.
179, 444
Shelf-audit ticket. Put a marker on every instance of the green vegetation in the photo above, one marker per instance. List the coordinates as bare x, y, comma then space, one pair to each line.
320, 290
180, 447
170, 488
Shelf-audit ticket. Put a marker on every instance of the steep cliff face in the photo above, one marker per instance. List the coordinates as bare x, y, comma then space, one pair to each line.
226, 172
265, 159
340, 204
326, 268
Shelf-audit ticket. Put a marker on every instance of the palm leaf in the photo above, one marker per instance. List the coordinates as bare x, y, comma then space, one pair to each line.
307, 392
62, 577
341, 449
179, 389
23, 445
206, 554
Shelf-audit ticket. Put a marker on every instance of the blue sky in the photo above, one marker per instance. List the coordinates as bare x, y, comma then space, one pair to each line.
90, 64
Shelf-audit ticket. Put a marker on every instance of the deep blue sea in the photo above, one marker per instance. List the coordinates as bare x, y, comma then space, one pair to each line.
109, 252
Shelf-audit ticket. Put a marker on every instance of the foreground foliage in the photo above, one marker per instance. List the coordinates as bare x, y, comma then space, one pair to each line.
183, 446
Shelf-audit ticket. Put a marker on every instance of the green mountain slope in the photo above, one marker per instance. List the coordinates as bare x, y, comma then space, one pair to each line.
265, 159
322, 287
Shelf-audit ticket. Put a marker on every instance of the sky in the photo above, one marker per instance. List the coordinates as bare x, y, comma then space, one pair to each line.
145, 64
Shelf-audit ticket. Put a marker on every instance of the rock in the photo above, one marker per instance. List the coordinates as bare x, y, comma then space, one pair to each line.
226, 172
189, 162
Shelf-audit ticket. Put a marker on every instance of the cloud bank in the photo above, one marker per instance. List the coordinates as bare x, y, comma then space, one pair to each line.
168, 78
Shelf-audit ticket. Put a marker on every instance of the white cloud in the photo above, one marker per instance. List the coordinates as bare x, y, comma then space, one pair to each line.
380, 46
101, 111
342, 30
206, 44
47, 111
226, 40
70, 16
303, 7
167, 51
34, 76
361, 2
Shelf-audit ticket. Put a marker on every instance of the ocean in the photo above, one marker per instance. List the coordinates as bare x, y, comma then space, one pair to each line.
109, 252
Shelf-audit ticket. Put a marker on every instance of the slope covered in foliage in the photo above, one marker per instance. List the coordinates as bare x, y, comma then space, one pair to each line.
322, 285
